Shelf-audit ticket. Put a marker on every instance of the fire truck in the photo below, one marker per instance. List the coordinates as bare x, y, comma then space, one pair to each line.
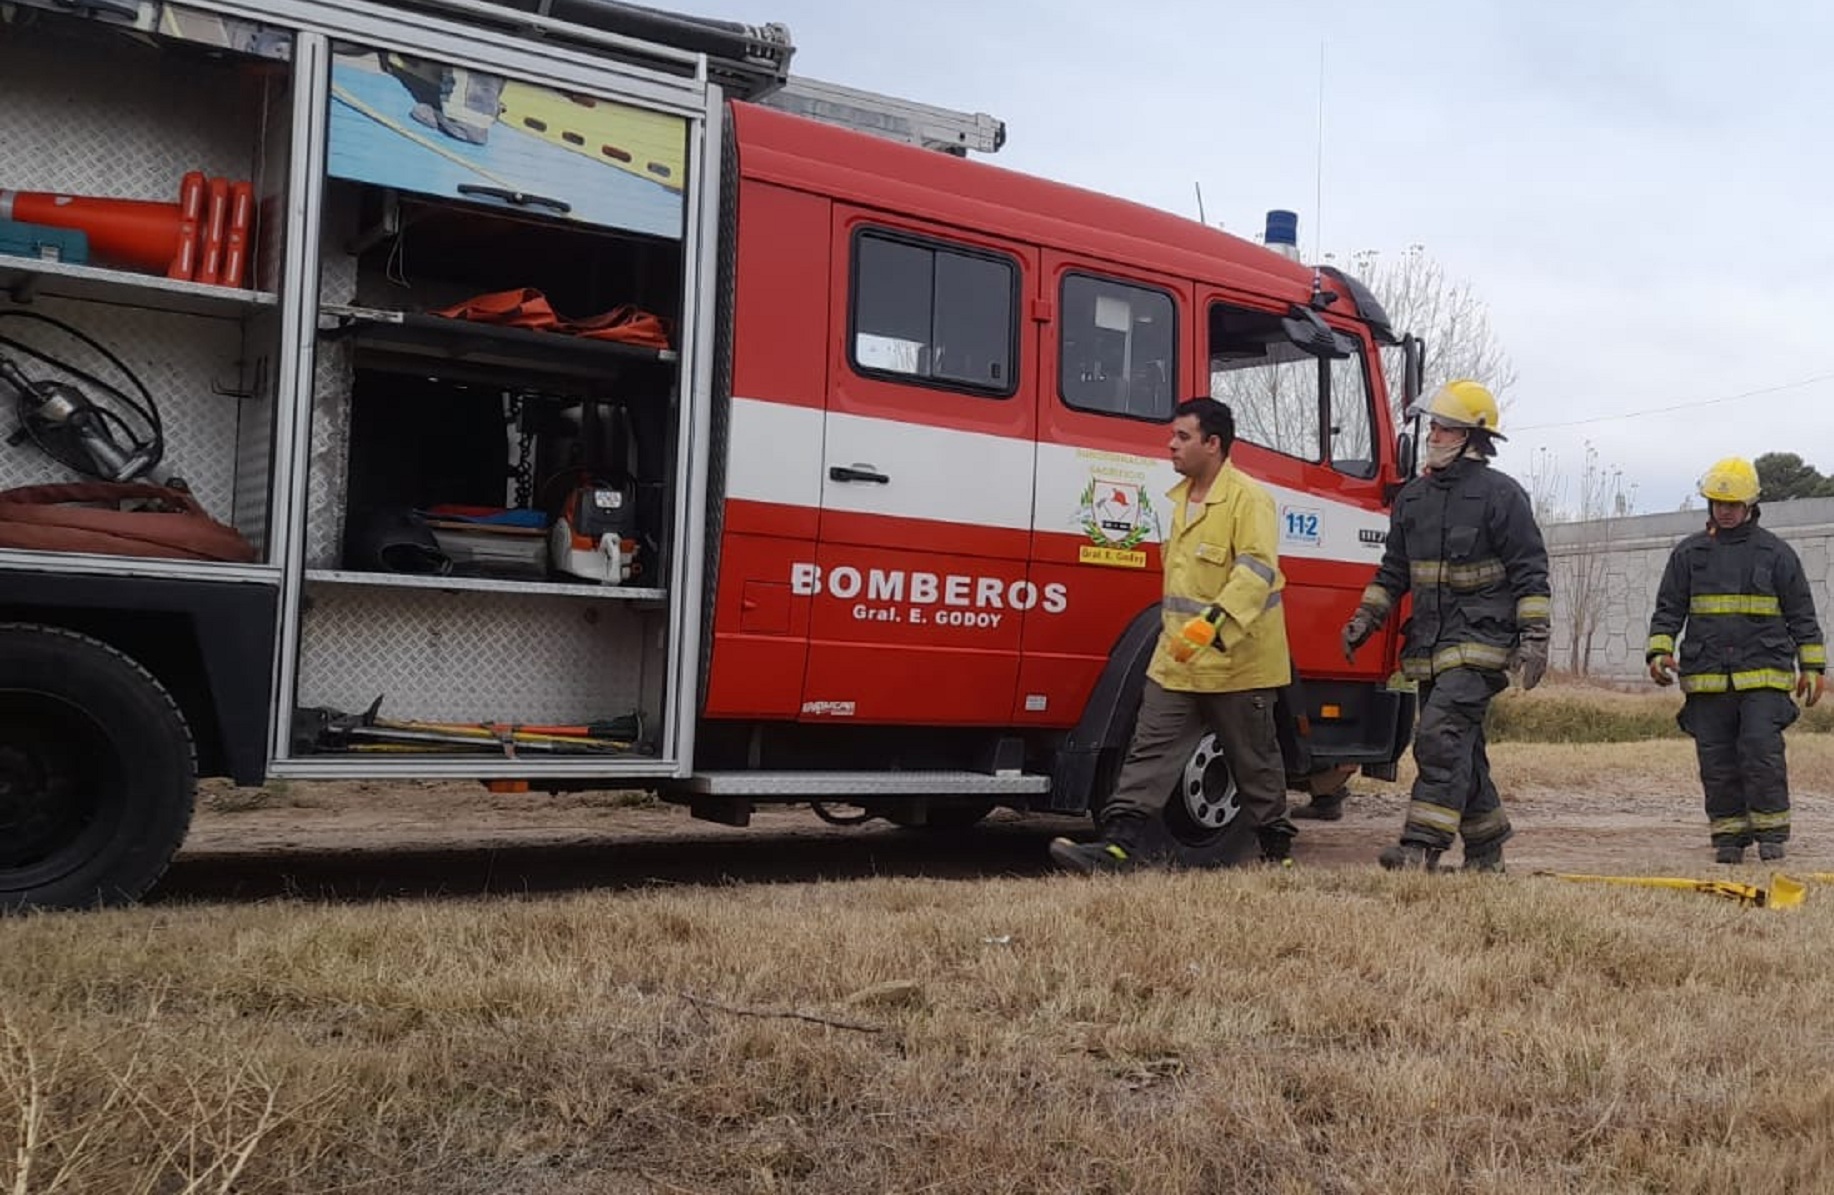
564, 395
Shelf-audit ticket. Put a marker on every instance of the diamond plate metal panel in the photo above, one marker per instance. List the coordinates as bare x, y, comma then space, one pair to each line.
472, 656
178, 358
255, 442
330, 456
328, 476
106, 117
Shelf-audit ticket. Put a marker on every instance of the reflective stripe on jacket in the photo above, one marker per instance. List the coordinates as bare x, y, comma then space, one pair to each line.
1227, 557
1747, 608
1464, 541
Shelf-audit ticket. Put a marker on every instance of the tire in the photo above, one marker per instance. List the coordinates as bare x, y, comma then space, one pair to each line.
1203, 824
98, 773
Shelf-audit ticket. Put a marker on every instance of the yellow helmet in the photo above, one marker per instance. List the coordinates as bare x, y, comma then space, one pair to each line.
1731, 479
1462, 403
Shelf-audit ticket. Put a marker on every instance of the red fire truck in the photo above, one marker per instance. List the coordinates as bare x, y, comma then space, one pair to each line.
578, 399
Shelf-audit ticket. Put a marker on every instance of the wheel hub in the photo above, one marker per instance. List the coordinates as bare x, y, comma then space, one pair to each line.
28, 809
1211, 799
44, 805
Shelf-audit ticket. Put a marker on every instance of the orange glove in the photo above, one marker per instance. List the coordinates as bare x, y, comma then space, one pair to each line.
1811, 683
1197, 634
1662, 669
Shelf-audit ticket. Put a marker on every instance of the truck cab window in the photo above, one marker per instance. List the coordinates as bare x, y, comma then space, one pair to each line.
1273, 388
933, 315
1119, 348
1352, 425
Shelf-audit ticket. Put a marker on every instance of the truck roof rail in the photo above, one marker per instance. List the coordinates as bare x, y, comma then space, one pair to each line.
902, 120
748, 61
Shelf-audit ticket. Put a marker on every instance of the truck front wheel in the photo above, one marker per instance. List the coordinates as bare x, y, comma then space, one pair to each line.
97, 772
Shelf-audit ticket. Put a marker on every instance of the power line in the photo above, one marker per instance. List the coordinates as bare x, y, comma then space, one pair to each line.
1684, 406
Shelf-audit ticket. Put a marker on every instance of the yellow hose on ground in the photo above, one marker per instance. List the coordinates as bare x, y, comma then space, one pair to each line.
1785, 892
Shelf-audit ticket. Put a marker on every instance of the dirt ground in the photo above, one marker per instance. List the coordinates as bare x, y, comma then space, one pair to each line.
373, 839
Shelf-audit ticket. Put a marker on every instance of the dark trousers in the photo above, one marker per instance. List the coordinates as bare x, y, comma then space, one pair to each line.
1738, 738
1168, 730
1453, 793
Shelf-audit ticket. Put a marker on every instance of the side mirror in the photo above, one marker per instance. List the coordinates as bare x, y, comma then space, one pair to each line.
1413, 369
1312, 335
1406, 459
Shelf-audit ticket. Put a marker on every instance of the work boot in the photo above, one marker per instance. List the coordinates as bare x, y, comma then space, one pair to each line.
1730, 853
1276, 848
1325, 807
1489, 858
1770, 851
1091, 857
1409, 856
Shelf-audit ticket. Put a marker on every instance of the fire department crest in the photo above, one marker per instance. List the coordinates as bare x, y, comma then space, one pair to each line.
1116, 514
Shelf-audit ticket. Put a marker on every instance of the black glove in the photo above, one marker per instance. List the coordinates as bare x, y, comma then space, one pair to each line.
1362, 624
1530, 656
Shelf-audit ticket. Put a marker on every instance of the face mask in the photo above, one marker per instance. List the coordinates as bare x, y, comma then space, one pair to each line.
1439, 455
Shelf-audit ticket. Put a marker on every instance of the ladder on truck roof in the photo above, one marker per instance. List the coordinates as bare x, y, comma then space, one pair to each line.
751, 62
902, 120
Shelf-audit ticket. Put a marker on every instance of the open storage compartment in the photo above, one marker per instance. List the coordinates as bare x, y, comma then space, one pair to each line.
145, 158
494, 422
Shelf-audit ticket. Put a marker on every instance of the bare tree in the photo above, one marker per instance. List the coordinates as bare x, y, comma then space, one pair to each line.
1276, 401
1582, 572
1546, 487
1446, 313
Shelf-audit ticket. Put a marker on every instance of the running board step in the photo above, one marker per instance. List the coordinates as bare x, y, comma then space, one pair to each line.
842, 786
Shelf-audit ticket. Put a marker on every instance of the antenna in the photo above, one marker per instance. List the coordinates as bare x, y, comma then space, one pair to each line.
1318, 167
1200, 202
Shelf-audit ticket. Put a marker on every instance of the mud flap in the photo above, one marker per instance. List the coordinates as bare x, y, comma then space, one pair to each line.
1293, 728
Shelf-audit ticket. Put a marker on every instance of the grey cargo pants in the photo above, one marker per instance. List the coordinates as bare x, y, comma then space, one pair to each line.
1169, 727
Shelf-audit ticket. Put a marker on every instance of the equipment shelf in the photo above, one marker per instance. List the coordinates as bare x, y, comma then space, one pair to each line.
24, 278
515, 353
628, 593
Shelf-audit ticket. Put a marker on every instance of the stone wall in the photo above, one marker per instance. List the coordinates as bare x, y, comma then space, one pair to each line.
1620, 562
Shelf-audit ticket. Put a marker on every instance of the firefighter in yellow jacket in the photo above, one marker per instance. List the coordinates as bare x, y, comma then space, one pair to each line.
1221, 657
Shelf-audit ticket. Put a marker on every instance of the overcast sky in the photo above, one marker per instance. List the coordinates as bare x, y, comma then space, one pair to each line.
1641, 192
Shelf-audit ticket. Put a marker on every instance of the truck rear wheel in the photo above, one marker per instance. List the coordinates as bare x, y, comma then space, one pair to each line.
97, 772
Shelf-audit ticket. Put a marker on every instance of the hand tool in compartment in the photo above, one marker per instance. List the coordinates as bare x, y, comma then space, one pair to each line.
322, 729
66, 423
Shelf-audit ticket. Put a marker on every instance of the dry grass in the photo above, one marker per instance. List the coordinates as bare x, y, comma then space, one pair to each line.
1564, 711
1320, 1032
1648, 765
1337, 1032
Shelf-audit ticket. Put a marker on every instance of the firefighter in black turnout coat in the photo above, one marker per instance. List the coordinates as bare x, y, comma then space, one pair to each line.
1752, 635
1463, 539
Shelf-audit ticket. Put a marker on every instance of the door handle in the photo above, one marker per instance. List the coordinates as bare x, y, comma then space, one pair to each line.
519, 198
856, 473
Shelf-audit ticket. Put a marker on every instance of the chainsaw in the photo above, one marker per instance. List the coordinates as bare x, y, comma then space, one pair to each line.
593, 537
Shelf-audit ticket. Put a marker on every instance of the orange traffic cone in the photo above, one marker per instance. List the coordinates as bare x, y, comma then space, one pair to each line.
139, 233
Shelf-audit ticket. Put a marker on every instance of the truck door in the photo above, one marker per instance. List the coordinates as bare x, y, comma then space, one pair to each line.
1113, 364
920, 577
1306, 428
